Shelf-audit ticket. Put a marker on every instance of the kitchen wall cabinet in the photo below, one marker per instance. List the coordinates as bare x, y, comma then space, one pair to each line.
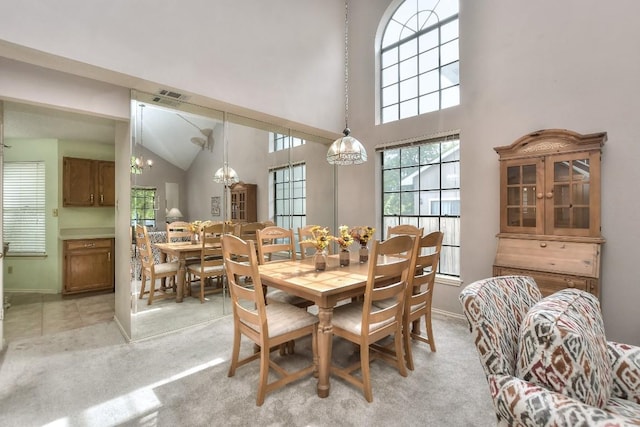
550, 209
88, 182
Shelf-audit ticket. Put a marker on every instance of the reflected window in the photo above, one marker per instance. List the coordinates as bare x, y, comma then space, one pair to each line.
290, 196
23, 209
421, 187
143, 206
419, 59
278, 142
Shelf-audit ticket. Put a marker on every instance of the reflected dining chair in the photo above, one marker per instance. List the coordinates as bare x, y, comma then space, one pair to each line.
178, 231
420, 293
267, 325
363, 323
211, 263
150, 270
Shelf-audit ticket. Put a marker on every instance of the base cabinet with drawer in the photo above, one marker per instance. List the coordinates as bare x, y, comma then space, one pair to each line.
88, 265
550, 196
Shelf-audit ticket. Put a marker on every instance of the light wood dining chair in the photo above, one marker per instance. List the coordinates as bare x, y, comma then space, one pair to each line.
277, 244
411, 230
267, 325
178, 231
363, 323
420, 294
152, 271
211, 263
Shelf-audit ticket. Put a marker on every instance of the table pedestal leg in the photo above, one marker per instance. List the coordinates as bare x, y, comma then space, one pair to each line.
325, 335
182, 272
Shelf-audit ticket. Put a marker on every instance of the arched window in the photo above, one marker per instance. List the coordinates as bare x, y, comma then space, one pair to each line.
419, 59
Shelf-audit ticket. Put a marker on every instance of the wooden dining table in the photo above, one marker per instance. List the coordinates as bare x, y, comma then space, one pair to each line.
325, 288
181, 251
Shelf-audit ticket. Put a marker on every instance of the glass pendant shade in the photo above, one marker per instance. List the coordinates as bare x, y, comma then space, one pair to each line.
346, 150
226, 175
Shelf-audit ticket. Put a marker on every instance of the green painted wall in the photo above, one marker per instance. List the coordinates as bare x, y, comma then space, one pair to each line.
44, 274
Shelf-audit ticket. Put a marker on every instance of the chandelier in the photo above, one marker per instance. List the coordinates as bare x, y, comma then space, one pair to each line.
346, 150
138, 163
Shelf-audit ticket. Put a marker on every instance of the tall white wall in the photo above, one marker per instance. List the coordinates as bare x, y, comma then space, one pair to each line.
524, 66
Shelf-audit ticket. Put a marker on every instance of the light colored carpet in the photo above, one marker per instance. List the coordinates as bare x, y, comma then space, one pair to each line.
92, 377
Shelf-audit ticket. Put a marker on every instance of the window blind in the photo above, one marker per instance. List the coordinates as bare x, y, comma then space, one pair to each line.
24, 207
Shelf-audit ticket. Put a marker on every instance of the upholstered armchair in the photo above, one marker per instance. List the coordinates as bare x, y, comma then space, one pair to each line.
547, 361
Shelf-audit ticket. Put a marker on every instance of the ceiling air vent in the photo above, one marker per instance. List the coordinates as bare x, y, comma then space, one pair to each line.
173, 95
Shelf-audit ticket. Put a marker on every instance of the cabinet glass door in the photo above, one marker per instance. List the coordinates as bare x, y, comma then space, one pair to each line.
520, 207
570, 194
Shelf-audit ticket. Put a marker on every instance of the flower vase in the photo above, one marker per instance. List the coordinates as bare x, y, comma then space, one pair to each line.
320, 260
364, 253
195, 238
344, 257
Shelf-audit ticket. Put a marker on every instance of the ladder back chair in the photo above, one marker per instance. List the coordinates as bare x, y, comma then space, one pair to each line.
268, 326
150, 270
211, 263
363, 323
420, 293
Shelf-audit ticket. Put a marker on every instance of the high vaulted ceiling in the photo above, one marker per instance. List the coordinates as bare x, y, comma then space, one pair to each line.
177, 137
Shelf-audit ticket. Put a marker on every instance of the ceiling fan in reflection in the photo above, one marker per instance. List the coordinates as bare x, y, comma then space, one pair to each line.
207, 141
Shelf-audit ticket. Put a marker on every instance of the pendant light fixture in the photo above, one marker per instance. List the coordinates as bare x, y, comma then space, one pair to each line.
226, 175
346, 150
138, 163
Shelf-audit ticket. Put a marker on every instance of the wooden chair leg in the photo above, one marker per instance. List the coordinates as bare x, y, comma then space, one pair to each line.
143, 282
235, 353
427, 323
264, 375
406, 339
366, 372
398, 338
152, 289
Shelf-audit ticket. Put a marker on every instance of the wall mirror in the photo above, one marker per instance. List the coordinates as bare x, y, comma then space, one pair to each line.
176, 149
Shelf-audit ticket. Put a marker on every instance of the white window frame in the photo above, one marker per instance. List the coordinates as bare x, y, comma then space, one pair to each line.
419, 59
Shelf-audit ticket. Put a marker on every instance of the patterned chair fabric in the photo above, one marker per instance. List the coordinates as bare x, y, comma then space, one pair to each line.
154, 237
496, 308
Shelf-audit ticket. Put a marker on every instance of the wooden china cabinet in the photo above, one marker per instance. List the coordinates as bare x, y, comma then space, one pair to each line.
244, 207
550, 210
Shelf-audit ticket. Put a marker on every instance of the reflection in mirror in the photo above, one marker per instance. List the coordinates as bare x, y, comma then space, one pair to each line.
187, 145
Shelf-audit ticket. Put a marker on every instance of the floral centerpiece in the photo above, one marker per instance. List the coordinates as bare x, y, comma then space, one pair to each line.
362, 235
344, 240
194, 229
320, 240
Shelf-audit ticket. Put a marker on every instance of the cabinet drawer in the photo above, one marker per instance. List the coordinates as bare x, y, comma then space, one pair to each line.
571, 258
549, 283
71, 245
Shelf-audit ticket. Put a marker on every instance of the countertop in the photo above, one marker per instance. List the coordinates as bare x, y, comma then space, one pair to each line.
86, 233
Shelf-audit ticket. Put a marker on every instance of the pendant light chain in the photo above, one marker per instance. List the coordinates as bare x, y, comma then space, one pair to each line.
346, 64
346, 150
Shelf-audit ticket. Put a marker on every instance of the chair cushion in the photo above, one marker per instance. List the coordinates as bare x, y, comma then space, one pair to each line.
285, 318
562, 347
166, 267
349, 318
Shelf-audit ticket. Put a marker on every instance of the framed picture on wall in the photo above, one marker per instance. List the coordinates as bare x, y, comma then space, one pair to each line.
215, 206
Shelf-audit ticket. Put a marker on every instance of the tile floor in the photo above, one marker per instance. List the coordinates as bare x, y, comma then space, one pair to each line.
32, 315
